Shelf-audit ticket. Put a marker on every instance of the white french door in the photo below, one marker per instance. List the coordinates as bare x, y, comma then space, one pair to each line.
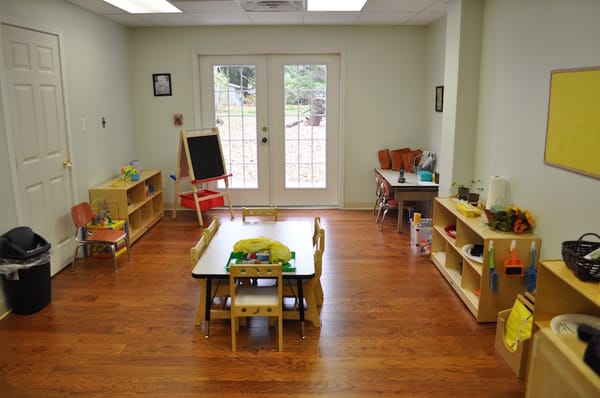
278, 116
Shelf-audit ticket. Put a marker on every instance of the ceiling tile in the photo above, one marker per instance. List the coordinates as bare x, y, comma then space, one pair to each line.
333, 18
397, 5
384, 18
231, 18
426, 18
208, 6
274, 18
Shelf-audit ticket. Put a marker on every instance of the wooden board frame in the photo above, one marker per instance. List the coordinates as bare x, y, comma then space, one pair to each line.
200, 159
573, 127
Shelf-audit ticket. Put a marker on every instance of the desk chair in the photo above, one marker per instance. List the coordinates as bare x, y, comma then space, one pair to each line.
82, 215
211, 230
312, 288
388, 202
218, 290
248, 300
259, 212
289, 290
378, 193
319, 246
195, 253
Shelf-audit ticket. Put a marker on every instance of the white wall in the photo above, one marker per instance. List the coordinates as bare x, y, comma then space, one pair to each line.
98, 73
522, 42
383, 81
434, 66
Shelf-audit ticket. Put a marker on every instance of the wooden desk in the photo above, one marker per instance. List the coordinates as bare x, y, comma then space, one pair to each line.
410, 190
296, 235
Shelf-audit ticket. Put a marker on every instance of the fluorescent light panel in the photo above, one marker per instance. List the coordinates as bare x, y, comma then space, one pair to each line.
144, 6
335, 5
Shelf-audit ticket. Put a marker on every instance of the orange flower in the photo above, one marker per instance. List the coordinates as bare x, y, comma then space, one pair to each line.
519, 226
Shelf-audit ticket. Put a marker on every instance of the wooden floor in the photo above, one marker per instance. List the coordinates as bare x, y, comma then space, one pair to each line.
391, 326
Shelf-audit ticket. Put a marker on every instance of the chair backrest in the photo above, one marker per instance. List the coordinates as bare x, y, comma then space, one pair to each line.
320, 241
82, 214
387, 189
318, 255
378, 181
316, 230
259, 212
211, 230
197, 250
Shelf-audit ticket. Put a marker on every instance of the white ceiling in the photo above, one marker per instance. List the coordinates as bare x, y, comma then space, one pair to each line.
231, 12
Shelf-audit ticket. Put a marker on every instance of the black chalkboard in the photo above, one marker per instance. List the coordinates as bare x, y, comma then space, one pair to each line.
205, 156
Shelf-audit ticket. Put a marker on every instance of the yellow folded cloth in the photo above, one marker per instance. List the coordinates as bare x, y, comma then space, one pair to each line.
277, 250
518, 325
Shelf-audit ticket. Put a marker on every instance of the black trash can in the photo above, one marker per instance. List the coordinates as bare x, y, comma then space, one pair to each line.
25, 265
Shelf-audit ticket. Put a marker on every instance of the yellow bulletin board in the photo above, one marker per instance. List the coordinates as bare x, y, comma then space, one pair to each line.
573, 129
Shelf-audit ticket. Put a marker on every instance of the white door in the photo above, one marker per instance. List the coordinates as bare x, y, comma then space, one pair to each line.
279, 122
37, 135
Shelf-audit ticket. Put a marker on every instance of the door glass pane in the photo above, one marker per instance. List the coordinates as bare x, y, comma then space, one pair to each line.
235, 114
305, 126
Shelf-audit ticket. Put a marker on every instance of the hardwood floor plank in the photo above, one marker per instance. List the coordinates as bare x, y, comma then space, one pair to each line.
391, 326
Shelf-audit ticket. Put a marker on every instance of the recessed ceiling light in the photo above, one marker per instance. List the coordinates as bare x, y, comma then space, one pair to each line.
335, 5
144, 6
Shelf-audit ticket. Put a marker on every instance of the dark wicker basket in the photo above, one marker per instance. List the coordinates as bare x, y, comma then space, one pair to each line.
573, 252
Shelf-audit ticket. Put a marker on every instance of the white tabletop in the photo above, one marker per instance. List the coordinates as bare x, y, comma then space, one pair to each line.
410, 179
296, 235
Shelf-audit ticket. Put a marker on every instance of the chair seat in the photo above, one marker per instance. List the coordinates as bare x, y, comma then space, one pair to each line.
392, 203
106, 235
253, 296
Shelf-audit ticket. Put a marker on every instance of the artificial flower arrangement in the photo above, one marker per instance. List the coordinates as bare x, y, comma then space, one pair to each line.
511, 219
130, 173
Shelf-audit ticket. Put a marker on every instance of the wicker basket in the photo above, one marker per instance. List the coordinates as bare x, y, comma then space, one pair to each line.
573, 252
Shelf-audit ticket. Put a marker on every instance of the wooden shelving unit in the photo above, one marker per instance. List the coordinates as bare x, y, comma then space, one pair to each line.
140, 203
556, 367
469, 278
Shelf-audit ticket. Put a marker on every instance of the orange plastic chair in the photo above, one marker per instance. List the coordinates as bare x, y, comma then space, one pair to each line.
82, 214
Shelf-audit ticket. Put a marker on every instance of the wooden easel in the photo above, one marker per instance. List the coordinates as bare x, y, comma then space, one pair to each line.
200, 159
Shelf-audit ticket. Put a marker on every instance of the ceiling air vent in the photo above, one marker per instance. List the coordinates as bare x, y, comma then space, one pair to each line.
272, 5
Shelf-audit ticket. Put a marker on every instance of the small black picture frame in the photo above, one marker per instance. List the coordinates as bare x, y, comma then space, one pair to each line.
439, 98
162, 84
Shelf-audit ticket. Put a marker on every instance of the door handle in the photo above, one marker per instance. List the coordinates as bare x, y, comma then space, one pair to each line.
264, 140
67, 164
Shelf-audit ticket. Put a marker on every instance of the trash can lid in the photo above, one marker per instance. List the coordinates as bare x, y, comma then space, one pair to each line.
22, 237
22, 242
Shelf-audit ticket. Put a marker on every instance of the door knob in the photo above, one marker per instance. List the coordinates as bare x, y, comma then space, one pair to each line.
67, 164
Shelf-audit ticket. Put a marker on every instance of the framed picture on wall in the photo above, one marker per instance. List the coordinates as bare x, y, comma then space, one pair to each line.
439, 98
162, 84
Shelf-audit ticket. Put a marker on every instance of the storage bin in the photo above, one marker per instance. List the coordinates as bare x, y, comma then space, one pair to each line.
187, 200
516, 360
420, 237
